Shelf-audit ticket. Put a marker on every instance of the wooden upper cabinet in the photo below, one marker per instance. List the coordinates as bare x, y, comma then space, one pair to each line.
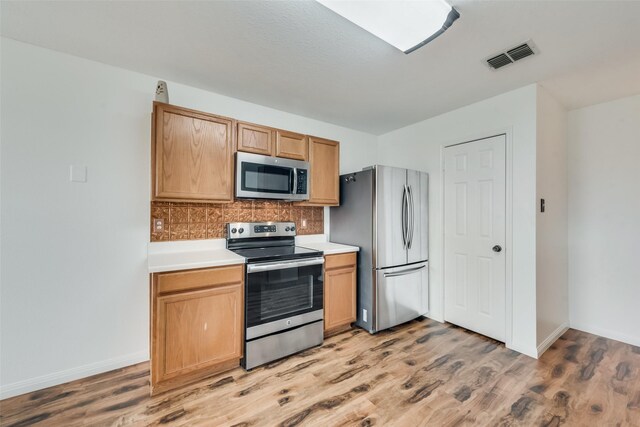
255, 139
192, 155
291, 145
324, 157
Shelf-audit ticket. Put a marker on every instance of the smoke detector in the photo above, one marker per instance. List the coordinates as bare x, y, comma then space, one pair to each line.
509, 56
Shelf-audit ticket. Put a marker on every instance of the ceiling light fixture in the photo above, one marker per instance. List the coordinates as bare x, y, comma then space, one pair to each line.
405, 24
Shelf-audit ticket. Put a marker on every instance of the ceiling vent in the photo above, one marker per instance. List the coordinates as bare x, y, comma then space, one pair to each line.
512, 55
499, 61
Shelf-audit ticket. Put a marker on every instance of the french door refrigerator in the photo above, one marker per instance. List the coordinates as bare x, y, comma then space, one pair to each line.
384, 210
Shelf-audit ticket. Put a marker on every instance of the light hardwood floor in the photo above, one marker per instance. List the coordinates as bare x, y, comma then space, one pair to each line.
421, 373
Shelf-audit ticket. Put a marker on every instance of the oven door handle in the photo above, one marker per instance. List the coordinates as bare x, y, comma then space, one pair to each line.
268, 266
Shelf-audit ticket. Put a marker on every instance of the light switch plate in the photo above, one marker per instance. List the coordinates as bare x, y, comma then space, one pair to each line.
77, 173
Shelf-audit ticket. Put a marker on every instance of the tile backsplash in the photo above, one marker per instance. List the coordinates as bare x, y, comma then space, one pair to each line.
190, 221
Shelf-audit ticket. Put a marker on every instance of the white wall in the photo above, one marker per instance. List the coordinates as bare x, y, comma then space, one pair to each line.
74, 286
552, 304
604, 219
419, 147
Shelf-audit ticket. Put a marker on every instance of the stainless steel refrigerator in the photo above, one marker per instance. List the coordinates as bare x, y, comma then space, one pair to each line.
384, 210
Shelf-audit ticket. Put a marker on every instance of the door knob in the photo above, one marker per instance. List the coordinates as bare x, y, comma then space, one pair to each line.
497, 248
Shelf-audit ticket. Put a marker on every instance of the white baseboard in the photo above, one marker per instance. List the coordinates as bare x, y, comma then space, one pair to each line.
607, 333
553, 336
437, 319
527, 351
60, 377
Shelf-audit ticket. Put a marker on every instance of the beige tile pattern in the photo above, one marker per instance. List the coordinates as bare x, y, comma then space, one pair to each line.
194, 221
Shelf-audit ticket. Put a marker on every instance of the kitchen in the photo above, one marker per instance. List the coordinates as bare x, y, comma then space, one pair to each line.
125, 224
295, 288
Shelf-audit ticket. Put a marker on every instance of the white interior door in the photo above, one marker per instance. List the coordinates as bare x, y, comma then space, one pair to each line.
474, 236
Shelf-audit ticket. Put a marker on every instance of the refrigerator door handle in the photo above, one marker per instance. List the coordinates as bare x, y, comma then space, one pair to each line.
403, 214
411, 217
406, 217
405, 272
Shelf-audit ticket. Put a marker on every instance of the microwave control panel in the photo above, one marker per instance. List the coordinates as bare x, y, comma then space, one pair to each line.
302, 182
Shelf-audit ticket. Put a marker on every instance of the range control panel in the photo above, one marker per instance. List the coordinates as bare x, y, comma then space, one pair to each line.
264, 228
243, 230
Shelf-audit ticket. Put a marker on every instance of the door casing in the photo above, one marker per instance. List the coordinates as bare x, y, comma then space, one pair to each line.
508, 133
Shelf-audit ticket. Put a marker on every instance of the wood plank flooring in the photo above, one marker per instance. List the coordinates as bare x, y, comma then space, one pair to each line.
421, 373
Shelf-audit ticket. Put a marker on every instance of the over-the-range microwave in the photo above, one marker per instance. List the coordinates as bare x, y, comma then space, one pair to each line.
264, 177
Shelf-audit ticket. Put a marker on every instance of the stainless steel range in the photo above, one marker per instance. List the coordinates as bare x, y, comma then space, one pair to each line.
283, 291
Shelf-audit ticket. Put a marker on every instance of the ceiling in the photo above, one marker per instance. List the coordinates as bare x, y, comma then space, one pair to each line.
300, 57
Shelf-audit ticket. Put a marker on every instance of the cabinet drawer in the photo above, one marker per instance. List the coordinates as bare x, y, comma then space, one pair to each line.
195, 279
340, 261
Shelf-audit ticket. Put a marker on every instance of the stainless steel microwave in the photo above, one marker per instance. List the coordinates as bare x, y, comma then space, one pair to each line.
264, 177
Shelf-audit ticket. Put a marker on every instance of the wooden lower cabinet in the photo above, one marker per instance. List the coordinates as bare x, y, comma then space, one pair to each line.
339, 292
196, 324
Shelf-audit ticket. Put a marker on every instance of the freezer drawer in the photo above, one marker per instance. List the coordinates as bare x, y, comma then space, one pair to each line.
402, 294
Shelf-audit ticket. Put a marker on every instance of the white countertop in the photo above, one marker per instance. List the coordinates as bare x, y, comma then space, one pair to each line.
319, 242
190, 254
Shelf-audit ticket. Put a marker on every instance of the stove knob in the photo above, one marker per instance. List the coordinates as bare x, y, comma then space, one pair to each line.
233, 231
293, 228
241, 230
287, 229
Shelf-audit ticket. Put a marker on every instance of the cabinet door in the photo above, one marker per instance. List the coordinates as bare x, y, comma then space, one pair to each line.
291, 145
340, 291
193, 155
198, 329
255, 139
324, 156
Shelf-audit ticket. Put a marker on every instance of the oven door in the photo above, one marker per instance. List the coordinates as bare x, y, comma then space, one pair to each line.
267, 177
282, 295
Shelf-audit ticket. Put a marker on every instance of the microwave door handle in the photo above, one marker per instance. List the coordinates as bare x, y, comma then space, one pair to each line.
295, 181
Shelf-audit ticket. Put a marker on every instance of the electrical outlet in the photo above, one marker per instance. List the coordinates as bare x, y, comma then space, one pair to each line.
364, 315
158, 224
304, 223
